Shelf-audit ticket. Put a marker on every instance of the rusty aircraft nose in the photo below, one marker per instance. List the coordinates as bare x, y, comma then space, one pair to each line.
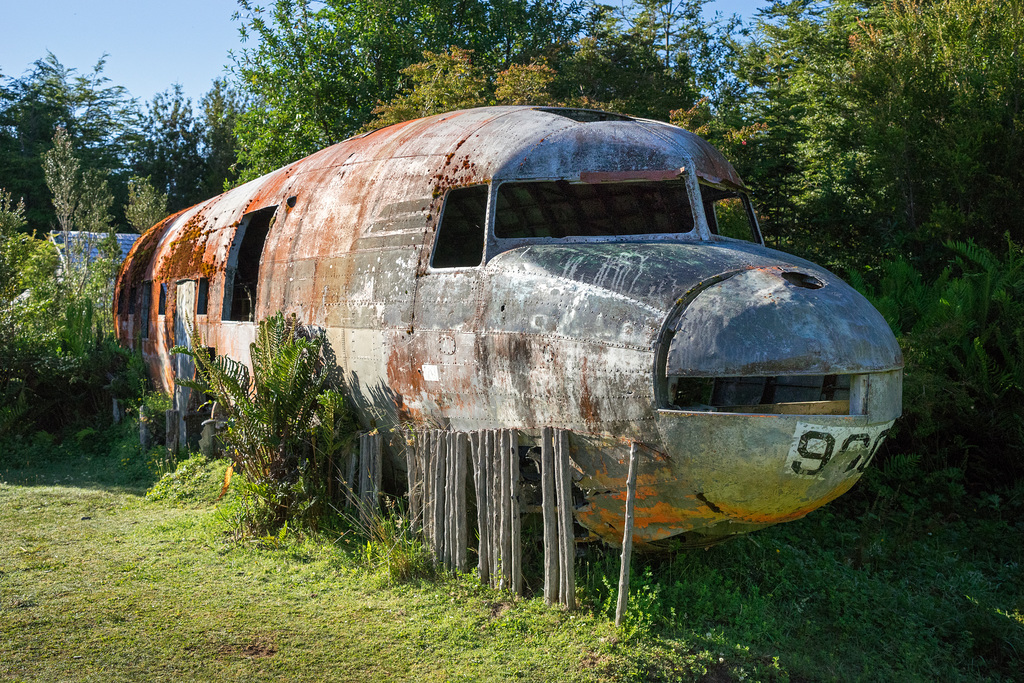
770, 382
776, 386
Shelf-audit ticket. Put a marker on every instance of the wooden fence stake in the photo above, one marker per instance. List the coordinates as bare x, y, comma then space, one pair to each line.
440, 491
514, 508
551, 544
461, 523
627, 537
480, 478
563, 485
493, 454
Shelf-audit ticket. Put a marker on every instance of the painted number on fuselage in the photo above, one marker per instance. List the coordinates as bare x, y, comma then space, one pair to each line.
815, 446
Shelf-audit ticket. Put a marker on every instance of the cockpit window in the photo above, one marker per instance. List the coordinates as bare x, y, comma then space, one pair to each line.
560, 209
460, 234
728, 214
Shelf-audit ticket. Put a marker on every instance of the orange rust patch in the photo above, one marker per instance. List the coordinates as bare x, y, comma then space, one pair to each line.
184, 255
664, 513
134, 268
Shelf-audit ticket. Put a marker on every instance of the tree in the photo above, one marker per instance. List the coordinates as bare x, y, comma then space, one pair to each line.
82, 201
100, 119
221, 107
146, 207
170, 150
525, 84
316, 74
12, 249
444, 82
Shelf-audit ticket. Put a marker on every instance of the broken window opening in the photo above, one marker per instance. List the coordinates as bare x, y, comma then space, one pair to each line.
729, 214
243, 269
202, 295
783, 394
561, 209
162, 305
146, 305
133, 293
460, 233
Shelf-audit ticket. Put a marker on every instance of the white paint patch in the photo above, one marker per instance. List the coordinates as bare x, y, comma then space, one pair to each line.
430, 373
844, 450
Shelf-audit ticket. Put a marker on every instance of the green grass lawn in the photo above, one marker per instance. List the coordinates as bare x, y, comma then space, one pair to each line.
99, 583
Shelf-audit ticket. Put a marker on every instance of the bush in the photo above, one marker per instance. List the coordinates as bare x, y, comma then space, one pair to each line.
283, 428
65, 378
963, 342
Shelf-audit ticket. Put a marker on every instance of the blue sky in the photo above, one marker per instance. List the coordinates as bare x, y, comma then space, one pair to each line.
149, 44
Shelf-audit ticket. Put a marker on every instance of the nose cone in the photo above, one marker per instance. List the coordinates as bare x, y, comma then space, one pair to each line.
773, 459
779, 321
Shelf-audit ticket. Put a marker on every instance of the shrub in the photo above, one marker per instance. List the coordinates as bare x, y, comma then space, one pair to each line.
283, 427
963, 341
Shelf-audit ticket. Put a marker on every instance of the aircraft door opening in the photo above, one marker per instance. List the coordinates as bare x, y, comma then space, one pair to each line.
243, 268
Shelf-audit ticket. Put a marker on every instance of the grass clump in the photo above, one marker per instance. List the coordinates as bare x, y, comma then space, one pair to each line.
195, 480
393, 548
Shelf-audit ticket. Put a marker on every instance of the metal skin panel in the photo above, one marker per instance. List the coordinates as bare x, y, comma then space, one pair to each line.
580, 333
756, 322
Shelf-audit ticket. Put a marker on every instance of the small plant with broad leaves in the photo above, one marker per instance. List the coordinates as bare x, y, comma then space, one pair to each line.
284, 428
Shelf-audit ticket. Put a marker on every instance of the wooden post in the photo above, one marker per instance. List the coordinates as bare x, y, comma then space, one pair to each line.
144, 436
481, 475
516, 555
171, 430
494, 513
378, 470
428, 496
460, 502
440, 453
422, 451
563, 485
504, 521
453, 513
551, 545
410, 479
364, 478
350, 481
627, 537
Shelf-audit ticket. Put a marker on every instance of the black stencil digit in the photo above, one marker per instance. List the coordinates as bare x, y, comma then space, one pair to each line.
864, 439
806, 454
874, 448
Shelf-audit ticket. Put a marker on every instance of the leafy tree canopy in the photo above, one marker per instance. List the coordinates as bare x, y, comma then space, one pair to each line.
317, 70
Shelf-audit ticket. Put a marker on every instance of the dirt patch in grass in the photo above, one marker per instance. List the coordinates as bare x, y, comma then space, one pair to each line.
257, 647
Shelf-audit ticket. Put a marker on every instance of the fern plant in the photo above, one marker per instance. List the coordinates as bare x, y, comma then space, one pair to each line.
963, 342
283, 427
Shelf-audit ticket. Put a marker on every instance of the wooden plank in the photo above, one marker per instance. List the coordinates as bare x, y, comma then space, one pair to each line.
416, 493
516, 530
479, 477
378, 471
627, 537
494, 502
504, 521
461, 523
451, 532
410, 480
428, 487
440, 451
351, 471
563, 484
551, 545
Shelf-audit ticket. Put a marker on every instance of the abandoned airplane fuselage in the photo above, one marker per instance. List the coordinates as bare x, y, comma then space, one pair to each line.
517, 267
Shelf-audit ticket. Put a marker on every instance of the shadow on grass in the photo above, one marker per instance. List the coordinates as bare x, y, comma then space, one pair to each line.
111, 460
